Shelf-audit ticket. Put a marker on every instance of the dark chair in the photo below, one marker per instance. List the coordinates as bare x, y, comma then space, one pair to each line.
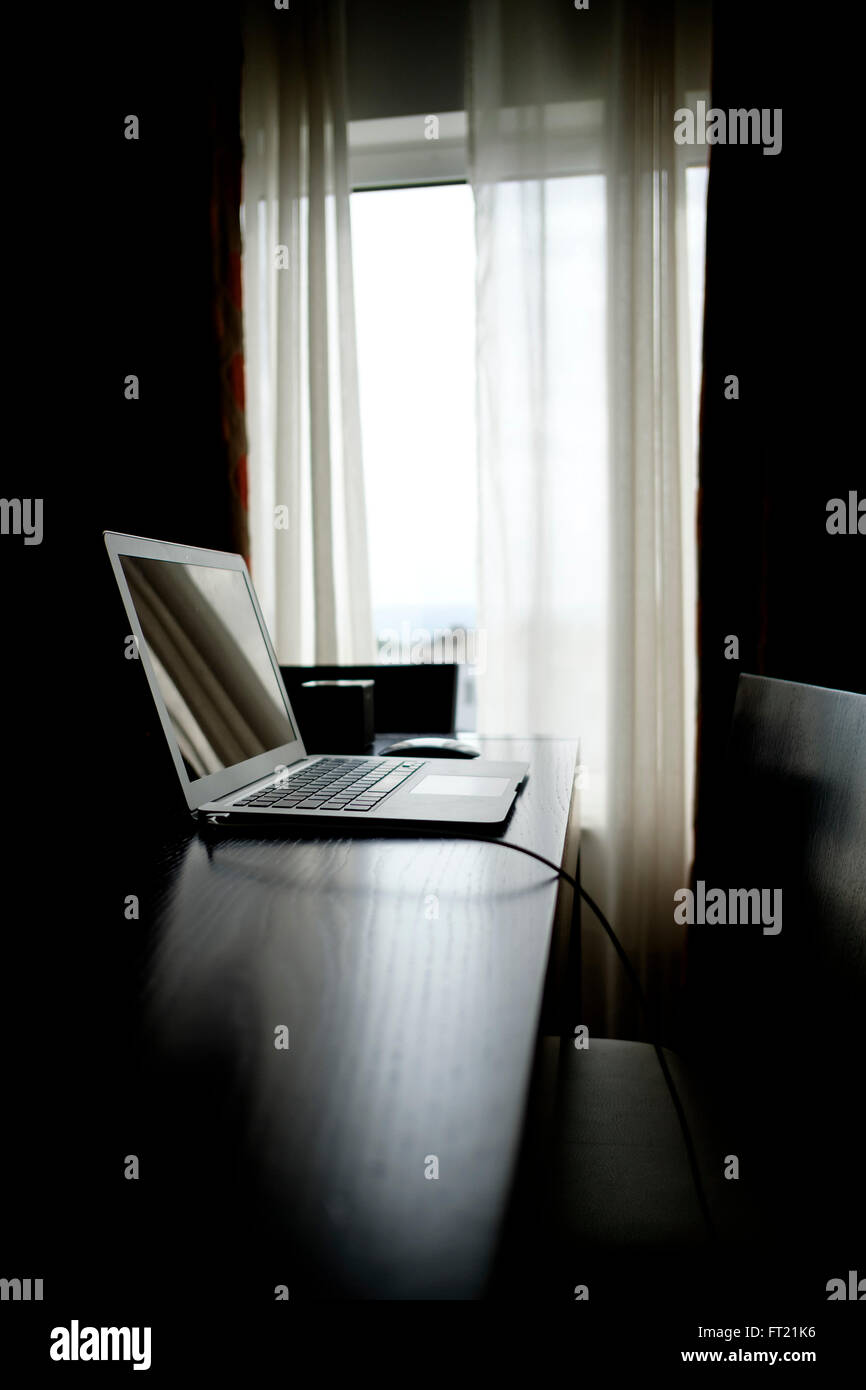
408, 699
775, 1049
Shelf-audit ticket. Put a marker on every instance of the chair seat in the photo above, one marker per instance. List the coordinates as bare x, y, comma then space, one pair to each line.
620, 1174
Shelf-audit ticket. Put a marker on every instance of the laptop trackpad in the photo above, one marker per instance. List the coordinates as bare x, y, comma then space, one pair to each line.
461, 786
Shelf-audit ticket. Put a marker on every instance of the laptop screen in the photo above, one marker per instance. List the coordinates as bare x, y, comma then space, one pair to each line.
211, 660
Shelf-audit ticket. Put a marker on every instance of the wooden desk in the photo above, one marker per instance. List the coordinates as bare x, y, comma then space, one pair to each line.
410, 975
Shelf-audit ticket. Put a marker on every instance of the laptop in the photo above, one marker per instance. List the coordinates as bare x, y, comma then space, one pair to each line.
199, 633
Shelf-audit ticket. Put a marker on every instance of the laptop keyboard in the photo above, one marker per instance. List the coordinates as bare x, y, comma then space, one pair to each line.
335, 784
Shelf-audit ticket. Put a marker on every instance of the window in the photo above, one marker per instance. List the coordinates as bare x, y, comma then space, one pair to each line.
414, 268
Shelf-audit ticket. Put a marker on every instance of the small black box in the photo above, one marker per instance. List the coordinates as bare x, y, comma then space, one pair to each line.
337, 716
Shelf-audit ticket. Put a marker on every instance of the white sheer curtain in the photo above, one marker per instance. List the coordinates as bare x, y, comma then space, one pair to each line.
308, 530
586, 446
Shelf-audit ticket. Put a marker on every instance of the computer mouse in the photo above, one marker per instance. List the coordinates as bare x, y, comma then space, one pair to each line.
431, 748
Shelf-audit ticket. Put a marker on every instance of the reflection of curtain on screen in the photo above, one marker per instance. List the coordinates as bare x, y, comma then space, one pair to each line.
219, 687
584, 406
198, 754
206, 701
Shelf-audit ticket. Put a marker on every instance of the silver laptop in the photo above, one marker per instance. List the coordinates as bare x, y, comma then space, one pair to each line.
199, 633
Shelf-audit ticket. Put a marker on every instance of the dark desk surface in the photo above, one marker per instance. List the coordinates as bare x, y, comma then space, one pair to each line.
410, 975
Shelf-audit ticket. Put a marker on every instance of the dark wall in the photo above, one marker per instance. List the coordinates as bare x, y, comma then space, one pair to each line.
137, 298
154, 290
109, 273
778, 315
781, 314
404, 60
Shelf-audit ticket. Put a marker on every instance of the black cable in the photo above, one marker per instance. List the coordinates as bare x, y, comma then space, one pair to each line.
638, 988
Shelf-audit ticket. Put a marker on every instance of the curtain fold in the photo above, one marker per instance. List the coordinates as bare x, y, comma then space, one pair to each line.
586, 458
308, 518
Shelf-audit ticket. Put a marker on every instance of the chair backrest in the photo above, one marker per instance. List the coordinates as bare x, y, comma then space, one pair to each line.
782, 1013
413, 698
797, 759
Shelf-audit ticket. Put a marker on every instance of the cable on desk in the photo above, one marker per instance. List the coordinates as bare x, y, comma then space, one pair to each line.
638, 988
